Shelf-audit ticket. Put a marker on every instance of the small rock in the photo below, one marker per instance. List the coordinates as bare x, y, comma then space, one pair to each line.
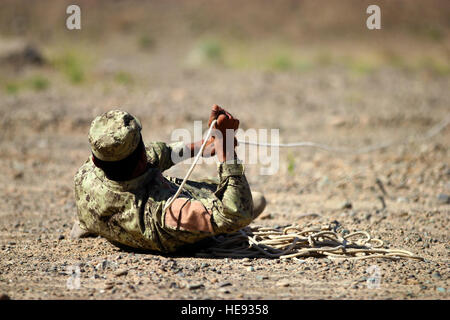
440, 289
260, 278
225, 284
195, 286
266, 216
436, 275
402, 200
61, 237
443, 198
347, 205
121, 272
250, 269
283, 284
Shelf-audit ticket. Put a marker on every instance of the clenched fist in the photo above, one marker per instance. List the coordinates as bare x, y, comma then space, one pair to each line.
224, 121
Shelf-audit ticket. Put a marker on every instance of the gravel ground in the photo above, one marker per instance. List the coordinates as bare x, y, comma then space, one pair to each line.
44, 141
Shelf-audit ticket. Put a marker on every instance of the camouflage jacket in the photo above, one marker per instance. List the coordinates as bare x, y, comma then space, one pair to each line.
131, 212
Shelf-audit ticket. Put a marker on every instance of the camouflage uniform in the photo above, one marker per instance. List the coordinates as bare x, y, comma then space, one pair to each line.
131, 212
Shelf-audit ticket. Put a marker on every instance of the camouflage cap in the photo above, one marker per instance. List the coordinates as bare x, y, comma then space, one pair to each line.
114, 135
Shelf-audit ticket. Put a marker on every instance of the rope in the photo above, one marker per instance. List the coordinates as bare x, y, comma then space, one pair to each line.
430, 133
188, 174
293, 242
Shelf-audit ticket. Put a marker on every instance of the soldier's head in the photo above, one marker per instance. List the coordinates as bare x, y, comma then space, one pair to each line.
117, 146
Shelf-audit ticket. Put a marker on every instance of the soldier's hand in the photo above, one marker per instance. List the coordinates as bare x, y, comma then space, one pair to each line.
216, 111
225, 122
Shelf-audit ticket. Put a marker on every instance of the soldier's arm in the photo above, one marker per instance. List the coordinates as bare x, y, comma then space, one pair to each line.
228, 211
165, 155
232, 207
235, 208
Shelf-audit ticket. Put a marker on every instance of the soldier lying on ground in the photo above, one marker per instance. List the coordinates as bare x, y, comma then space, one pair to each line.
120, 190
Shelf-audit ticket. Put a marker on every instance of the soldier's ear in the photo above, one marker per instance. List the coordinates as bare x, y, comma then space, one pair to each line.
94, 160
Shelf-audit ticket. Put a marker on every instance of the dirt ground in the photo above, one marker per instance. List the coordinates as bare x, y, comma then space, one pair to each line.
43, 141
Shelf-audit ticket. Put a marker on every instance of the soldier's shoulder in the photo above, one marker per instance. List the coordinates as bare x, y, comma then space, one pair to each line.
154, 150
85, 170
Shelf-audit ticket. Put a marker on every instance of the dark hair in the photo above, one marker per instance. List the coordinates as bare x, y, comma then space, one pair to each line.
123, 169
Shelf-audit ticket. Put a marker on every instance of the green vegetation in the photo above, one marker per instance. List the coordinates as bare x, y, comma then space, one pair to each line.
207, 52
146, 42
434, 66
291, 164
12, 87
212, 50
36, 82
124, 78
71, 65
39, 83
282, 62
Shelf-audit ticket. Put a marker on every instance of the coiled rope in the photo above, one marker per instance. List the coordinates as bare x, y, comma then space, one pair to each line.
293, 242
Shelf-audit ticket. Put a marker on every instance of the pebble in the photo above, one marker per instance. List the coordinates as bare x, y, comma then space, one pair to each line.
347, 205
260, 278
108, 286
443, 198
250, 269
61, 237
121, 272
283, 284
225, 284
266, 216
195, 286
440, 289
402, 200
436, 275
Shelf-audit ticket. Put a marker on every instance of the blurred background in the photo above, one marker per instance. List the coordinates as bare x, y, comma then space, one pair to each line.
310, 68
122, 40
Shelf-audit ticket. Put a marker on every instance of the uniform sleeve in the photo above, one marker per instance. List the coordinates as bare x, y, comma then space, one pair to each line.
234, 211
227, 209
162, 155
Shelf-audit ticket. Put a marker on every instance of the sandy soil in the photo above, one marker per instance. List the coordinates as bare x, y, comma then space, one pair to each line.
44, 141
